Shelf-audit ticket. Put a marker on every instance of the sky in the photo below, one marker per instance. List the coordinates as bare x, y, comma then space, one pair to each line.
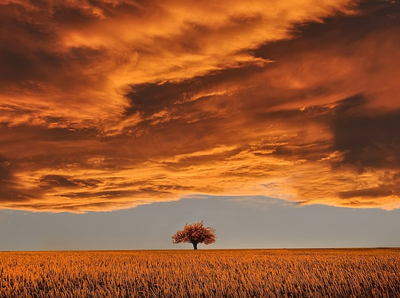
123, 120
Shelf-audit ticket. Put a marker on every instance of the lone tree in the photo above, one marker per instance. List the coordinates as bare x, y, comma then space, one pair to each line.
195, 233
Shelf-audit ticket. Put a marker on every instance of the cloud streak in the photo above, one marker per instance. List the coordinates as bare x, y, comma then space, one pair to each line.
112, 104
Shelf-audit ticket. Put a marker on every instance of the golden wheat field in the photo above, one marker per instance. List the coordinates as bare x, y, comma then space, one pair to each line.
202, 273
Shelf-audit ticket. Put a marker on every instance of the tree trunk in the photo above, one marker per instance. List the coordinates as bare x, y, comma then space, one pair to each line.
194, 245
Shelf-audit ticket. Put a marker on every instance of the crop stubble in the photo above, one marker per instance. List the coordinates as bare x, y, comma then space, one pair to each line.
202, 273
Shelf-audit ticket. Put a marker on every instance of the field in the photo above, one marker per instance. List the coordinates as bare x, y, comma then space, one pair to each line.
202, 273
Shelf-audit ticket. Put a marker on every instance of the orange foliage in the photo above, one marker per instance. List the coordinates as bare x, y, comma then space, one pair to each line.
195, 233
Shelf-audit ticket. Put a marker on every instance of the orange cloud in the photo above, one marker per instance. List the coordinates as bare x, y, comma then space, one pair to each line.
112, 104
86, 53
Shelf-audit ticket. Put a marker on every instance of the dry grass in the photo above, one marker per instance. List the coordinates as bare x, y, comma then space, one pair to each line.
202, 273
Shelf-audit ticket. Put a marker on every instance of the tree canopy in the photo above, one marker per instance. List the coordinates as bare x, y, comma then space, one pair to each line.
195, 233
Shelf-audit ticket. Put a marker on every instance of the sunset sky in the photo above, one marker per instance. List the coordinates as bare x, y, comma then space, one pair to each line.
277, 122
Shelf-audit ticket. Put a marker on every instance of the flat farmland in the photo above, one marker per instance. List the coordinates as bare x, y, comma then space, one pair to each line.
202, 273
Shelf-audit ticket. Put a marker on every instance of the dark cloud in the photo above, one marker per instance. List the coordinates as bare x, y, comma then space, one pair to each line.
370, 138
373, 192
10, 190
5, 172
57, 181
